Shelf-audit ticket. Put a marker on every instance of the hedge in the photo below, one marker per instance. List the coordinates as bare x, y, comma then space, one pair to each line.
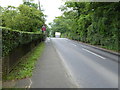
14, 38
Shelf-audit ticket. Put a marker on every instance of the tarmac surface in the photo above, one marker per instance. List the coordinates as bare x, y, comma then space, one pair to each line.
91, 67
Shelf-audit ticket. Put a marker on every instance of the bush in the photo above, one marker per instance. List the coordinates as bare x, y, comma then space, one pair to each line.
22, 18
14, 38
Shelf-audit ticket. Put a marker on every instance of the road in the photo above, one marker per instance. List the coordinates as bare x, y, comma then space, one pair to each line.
90, 68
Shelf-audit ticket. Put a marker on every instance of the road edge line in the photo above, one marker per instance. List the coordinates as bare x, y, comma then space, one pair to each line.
72, 79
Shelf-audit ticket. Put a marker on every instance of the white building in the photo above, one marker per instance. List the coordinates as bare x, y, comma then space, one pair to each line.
57, 34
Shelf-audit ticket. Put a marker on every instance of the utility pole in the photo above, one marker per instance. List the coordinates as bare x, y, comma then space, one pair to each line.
39, 5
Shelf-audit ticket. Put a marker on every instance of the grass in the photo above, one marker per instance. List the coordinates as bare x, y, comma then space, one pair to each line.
26, 65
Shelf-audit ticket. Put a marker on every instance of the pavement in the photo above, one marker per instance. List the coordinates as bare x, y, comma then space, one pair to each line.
49, 72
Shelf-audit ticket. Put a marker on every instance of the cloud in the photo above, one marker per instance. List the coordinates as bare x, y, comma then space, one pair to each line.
5, 3
51, 8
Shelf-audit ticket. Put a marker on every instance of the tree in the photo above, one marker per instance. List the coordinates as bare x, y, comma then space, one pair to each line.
31, 4
24, 18
91, 22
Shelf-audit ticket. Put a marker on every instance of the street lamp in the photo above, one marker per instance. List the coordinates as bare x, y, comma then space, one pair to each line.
39, 5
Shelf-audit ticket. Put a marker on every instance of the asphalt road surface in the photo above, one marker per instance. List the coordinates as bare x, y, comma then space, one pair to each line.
90, 68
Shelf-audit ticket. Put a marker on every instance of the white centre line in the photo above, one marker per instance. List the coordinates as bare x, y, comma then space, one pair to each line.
94, 53
74, 45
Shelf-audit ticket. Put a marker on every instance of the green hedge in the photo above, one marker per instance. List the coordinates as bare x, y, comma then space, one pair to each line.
13, 38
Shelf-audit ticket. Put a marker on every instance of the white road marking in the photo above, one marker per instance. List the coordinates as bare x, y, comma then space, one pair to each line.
30, 83
74, 45
68, 71
83, 46
71, 43
26, 86
94, 53
67, 39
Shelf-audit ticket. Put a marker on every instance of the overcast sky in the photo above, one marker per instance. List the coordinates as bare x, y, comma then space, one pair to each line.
50, 7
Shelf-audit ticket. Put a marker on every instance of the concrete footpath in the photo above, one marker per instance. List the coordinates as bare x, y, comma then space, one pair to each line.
49, 72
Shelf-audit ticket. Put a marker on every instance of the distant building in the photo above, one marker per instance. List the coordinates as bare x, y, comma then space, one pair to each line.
57, 34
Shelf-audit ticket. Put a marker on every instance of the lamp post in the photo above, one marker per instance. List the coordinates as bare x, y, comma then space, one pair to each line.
39, 5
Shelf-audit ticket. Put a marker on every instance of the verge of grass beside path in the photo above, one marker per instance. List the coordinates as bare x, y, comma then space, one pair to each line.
26, 65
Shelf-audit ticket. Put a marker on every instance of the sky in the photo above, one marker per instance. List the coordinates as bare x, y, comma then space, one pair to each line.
50, 7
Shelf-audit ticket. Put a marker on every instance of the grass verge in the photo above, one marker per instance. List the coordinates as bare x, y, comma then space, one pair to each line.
26, 65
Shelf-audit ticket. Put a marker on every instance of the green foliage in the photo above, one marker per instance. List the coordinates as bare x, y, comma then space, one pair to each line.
31, 4
13, 38
91, 22
26, 17
26, 65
